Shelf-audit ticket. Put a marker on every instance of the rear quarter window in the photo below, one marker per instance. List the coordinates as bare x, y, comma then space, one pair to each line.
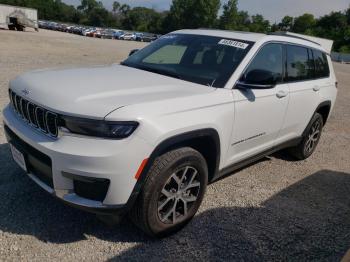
321, 64
300, 64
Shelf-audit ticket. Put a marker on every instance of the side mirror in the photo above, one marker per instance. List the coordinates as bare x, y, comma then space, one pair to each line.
258, 79
133, 52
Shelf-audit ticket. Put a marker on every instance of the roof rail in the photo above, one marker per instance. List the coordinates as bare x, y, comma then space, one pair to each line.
226, 30
284, 33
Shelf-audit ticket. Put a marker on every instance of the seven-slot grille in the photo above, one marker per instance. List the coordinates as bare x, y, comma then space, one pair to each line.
36, 116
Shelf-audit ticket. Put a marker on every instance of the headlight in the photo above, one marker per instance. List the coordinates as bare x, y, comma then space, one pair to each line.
98, 128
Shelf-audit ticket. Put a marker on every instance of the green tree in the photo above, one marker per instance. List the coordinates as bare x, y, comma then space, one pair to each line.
116, 6
334, 26
275, 27
143, 19
124, 9
304, 23
286, 23
192, 14
259, 24
230, 16
89, 5
345, 49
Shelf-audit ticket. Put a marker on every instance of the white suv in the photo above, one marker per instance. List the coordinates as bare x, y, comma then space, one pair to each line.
145, 137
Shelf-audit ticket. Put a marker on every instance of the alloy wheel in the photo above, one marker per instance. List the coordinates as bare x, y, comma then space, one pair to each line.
313, 137
178, 195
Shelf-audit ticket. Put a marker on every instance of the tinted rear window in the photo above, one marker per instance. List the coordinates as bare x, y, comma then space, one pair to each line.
300, 65
321, 64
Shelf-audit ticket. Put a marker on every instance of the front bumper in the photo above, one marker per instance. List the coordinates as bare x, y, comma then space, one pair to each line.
58, 165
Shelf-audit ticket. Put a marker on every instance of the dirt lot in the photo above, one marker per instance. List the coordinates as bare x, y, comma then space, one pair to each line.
277, 209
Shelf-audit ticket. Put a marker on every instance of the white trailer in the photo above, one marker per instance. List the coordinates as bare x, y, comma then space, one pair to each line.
18, 18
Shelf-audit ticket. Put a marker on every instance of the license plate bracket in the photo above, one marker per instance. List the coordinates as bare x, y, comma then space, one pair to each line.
18, 157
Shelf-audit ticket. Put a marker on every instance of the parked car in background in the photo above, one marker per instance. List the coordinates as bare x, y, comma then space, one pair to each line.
117, 34
69, 29
145, 37
111, 34
89, 32
98, 33
128, 36
78, 30
107, 34
42, 24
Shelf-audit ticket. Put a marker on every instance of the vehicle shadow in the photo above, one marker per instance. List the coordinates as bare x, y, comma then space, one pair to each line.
309, 220
284, 155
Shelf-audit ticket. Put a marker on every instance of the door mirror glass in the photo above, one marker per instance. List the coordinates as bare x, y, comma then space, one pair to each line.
260, 77
265, 70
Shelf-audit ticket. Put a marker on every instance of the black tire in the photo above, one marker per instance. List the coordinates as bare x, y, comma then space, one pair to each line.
306, 148
146, 215
19, 28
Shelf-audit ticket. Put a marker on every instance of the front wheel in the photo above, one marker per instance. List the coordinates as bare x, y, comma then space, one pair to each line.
172, 193
310, 140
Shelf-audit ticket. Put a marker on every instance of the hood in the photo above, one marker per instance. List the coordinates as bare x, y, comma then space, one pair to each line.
96, 91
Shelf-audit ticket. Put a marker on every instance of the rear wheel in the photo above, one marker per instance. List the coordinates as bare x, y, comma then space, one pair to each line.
19, 28
310, 140
172, 193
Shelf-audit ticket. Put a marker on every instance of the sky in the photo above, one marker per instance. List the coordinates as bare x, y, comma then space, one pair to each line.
273, 10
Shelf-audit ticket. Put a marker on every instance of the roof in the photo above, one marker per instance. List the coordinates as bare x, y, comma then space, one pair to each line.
327, 44
255, 37
248, 36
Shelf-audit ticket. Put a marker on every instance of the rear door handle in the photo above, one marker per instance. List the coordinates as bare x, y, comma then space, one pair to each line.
282, 93
316, 88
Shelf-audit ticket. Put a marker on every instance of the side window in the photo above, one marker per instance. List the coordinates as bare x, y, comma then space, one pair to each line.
321, 64
300, 64
266, 67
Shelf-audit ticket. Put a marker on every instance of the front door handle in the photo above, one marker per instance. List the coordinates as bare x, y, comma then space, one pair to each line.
282, 93
316, 88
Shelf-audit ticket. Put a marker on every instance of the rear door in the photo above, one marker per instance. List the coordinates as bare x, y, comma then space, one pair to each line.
259, 113
304, 85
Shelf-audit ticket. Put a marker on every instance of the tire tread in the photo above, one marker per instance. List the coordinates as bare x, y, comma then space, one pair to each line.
138, 213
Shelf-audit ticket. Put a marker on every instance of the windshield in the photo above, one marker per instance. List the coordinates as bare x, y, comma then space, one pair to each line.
205, 60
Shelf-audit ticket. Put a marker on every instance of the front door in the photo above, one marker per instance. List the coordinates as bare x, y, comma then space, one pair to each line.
260, 108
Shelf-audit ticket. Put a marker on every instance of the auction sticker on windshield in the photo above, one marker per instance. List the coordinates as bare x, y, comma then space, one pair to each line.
233, 43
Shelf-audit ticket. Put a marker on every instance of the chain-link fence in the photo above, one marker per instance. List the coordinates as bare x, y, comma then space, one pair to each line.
339, 57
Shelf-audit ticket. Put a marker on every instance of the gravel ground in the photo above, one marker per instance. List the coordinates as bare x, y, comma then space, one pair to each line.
277, 209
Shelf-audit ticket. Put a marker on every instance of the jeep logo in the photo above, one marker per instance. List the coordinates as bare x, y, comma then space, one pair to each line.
25, 92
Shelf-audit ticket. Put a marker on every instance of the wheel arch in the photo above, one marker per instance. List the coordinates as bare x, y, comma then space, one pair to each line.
206, 141
324, 109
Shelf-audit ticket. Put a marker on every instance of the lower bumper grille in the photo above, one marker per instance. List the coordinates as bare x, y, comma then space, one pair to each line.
38, 164
94, 190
